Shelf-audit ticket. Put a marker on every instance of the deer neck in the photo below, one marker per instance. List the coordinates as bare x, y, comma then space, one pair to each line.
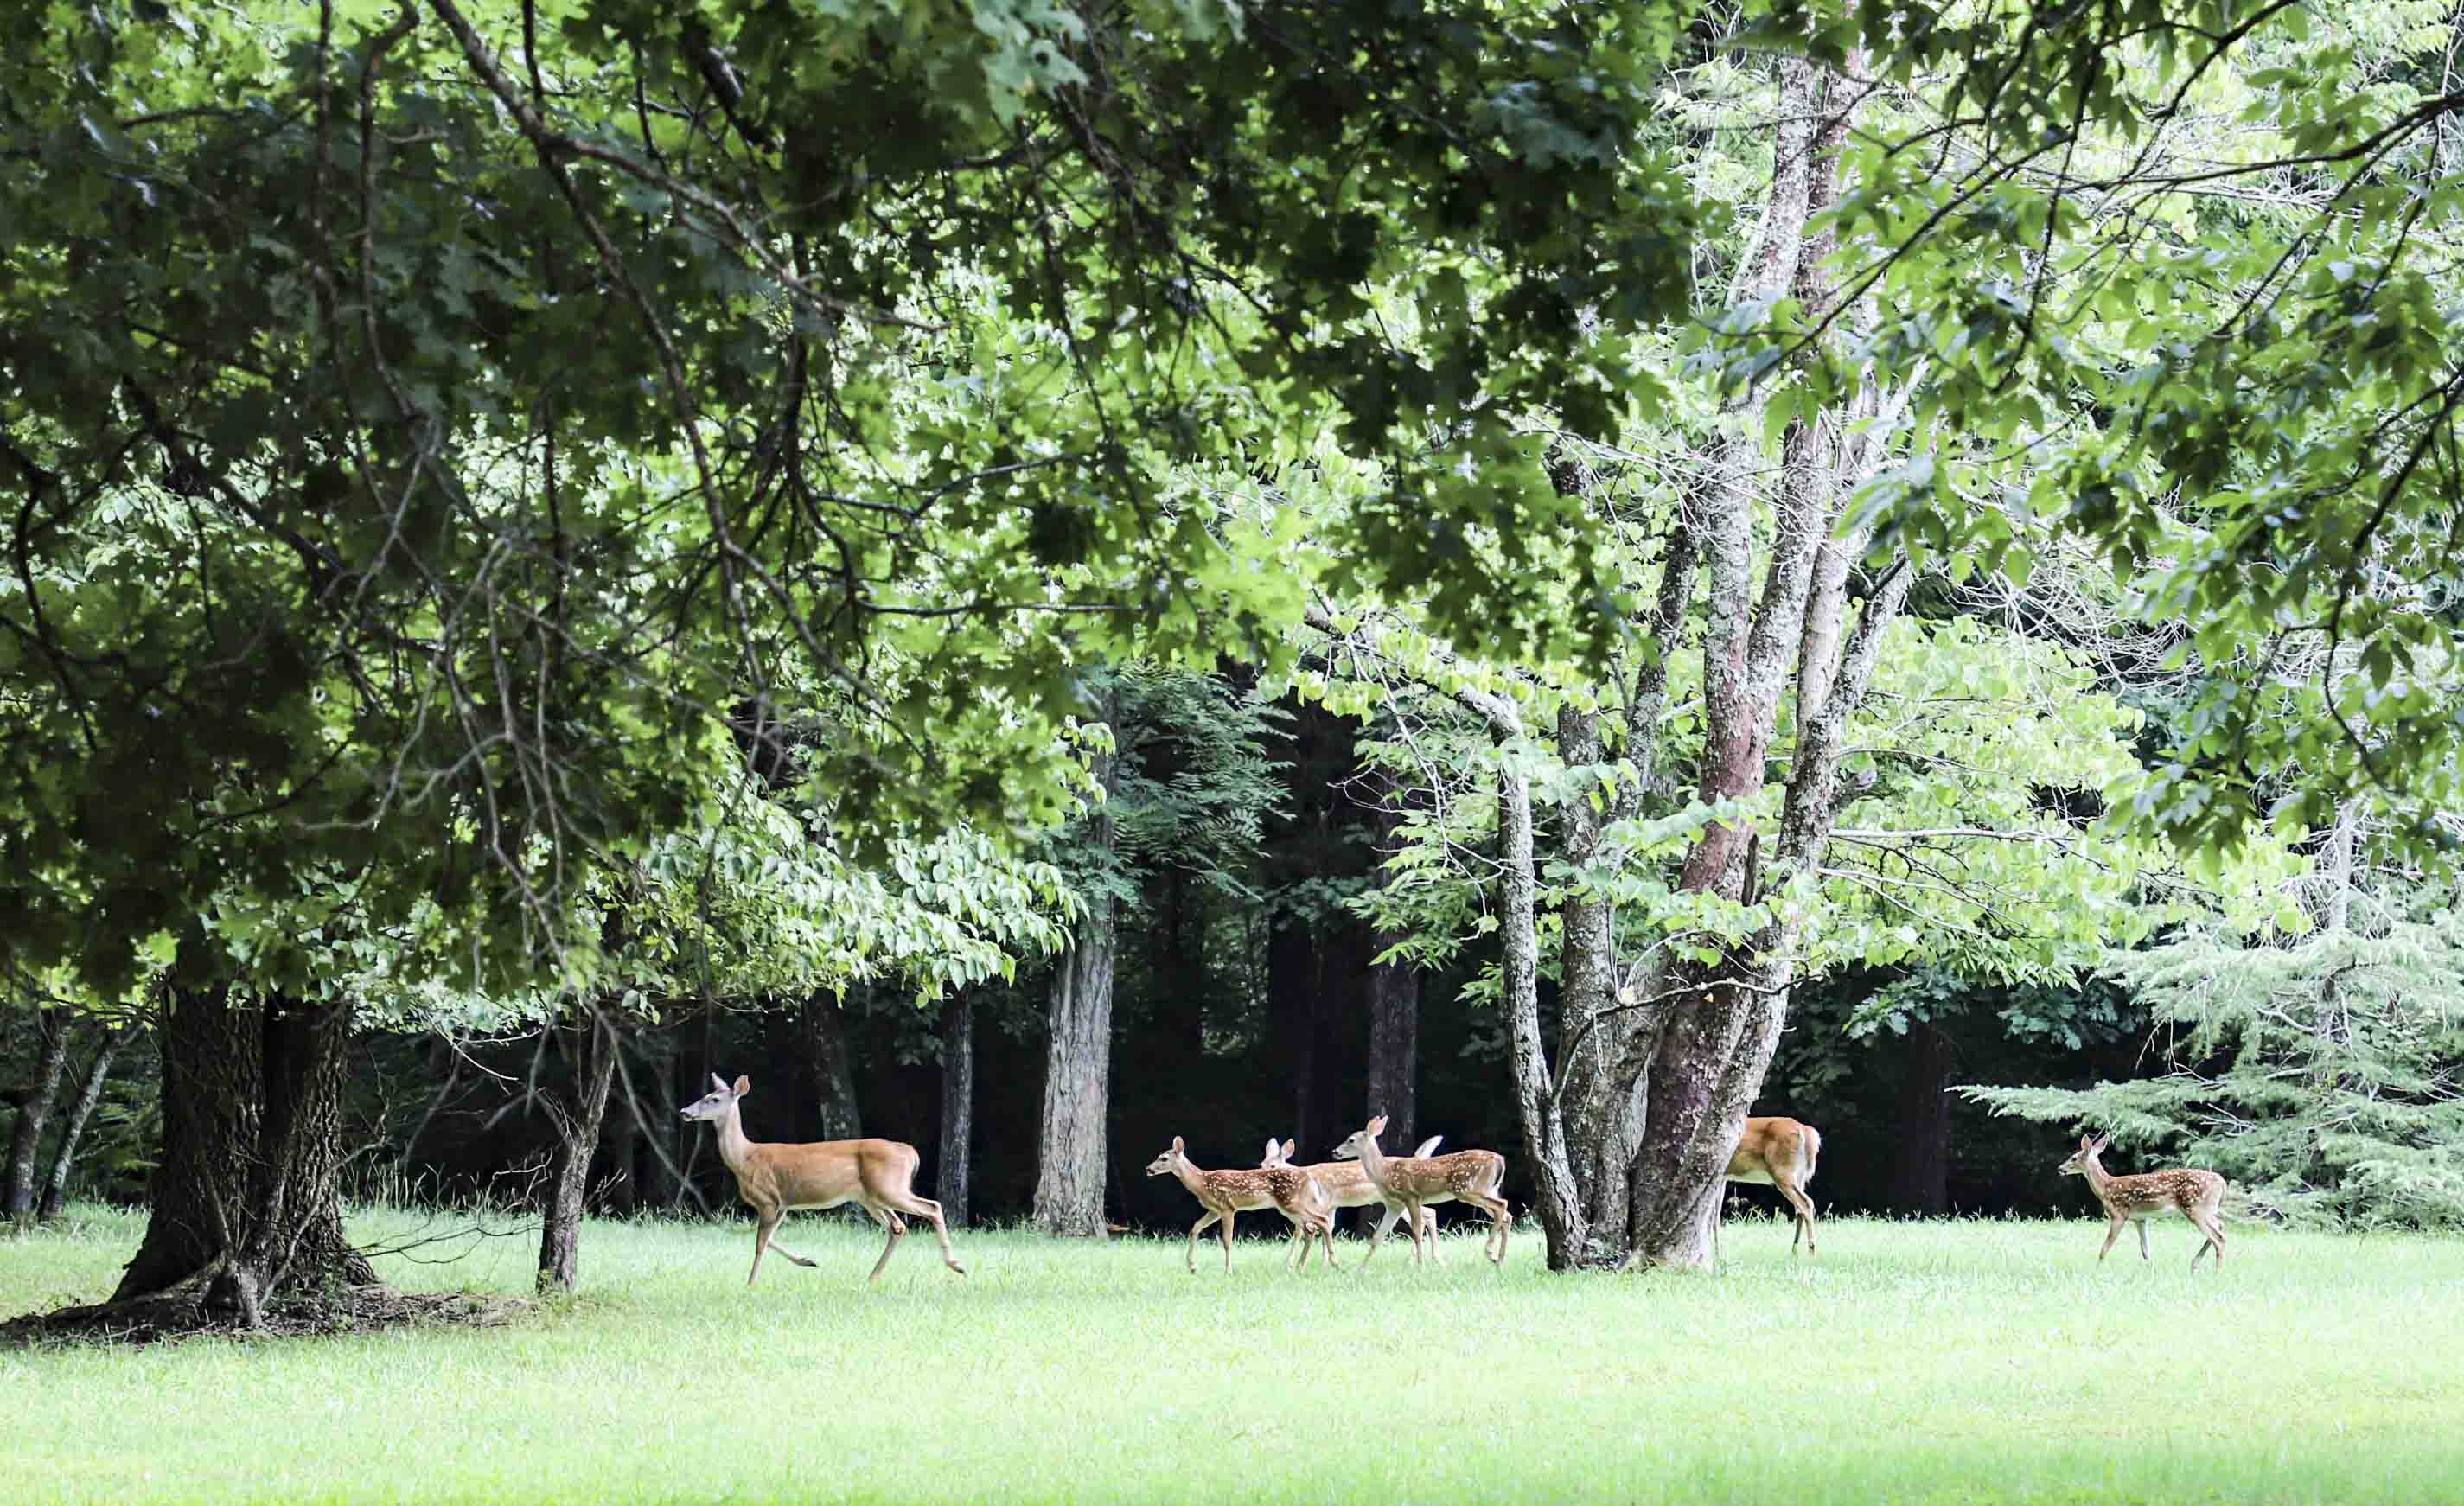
2099, 1179
734, 1148
1373, 1161
1189, 1176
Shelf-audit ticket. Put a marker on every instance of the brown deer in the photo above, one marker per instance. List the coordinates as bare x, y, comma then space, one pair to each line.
878, 1175
2193, 1193
1414, 1182
1225, 1194
1350, 1187
1780, 1153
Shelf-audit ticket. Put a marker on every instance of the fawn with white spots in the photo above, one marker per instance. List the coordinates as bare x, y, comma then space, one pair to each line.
1466, 1176
1225, 1194
2195, 1194
1350, 1187
878, 1175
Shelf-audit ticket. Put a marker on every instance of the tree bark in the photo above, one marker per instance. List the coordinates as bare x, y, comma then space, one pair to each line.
1394, 1049
51, 1054
97, 1073
591, 1043
1077, 1081
1920, 1183
957, 1106
245, 1205
1555, 1196
833, 1080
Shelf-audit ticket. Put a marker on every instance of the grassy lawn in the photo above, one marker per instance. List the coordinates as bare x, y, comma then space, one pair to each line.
1913, 1363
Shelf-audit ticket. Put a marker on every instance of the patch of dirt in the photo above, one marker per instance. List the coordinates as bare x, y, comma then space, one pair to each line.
169, 1318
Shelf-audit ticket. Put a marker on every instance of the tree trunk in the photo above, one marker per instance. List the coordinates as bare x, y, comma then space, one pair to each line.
1394, 998
825, 1024
1601, 1094
1291, 1024
1543, 1133
590, 1045
1394, 1048
1077, 1087
1920, 1184
245, 1204
957, 1106
51, 1054
96, 1074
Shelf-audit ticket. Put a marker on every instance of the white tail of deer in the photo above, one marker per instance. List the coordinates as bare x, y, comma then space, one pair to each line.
2195, 1194
1225, 1194
1350, 1187
878, 1175
1780, 1153
1466, 1176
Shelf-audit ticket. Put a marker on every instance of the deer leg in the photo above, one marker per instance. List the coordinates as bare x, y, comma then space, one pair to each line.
2143, 1237
2212, 1233
897, 1228
1326, 1231
924, 1208
761, 1243
1804, 1206
1387, 1214
1225, 1229
1501, 1223
2112, 1233
1194, 1230
786, 1252
1429, 1231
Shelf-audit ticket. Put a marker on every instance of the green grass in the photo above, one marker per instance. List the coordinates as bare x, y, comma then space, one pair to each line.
1974, 1362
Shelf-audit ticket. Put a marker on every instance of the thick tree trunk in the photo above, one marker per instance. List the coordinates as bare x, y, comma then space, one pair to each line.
834, 1080
1291, 1024
1920, 1184
64, 1161
245, 1205
51, 1054
1077, 1083
1394, 1004
1394, 1049
590, 1045
957, 1106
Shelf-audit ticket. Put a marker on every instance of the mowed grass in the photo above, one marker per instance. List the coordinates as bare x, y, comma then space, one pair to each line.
1963, 1362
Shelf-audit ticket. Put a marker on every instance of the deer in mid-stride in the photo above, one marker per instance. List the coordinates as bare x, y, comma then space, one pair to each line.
1409, 1184
877, 1176
1350, 1187
2193, 1193
1287, 1189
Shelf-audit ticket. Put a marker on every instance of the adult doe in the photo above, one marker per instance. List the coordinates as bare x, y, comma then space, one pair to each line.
877, 1176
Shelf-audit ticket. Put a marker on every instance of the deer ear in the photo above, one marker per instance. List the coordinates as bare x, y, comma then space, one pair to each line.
743, 1085
2087, 1142
1377, 1125
1177, 1143
718, 1082
1291, 1145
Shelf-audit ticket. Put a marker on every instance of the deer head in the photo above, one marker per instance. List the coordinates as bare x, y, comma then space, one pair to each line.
2090, 1147
1351, 1148
720, 1097
1279, 1152
1170, 1162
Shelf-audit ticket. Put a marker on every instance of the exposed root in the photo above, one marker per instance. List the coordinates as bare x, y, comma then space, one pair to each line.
178, 1313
